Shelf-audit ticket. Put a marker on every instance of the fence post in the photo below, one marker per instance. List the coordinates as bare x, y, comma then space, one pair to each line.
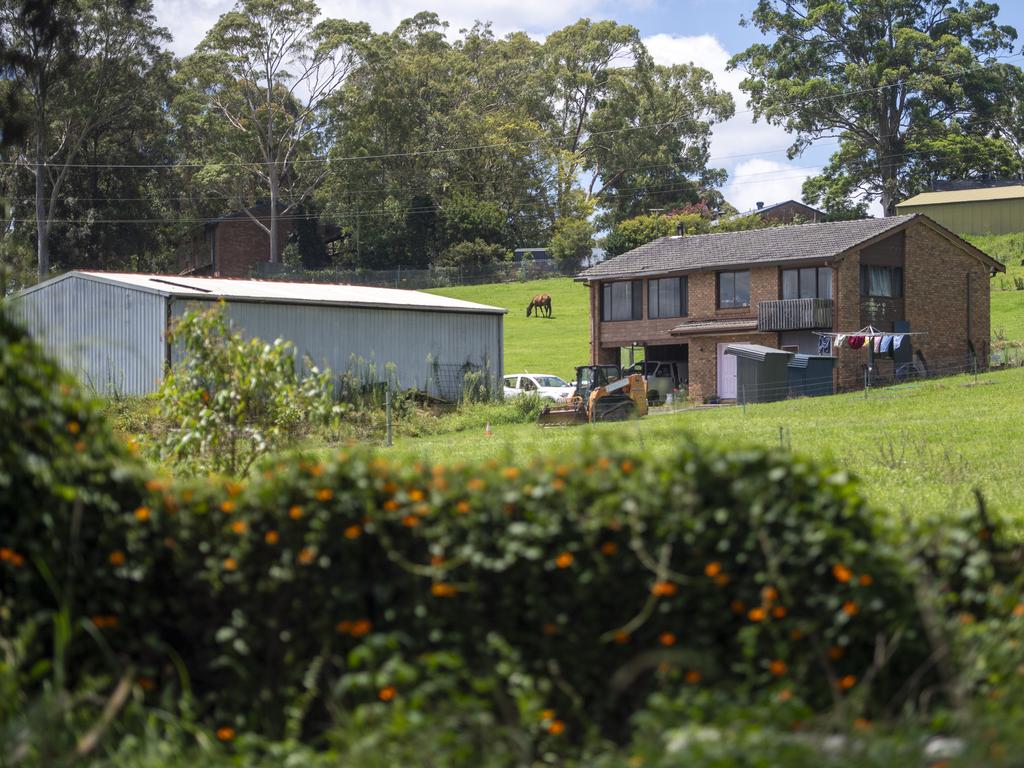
743, 399
387, 410
866, 380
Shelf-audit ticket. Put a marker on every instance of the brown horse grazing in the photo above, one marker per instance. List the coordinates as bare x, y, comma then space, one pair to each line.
542, 303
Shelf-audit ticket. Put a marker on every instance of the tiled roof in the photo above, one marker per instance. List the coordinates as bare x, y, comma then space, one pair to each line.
804, 242
730, 325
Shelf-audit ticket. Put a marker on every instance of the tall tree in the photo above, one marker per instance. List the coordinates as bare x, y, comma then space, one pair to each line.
254, 98
79, 64
882, 76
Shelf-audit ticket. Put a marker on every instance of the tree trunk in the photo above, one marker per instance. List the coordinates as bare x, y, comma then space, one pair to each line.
275, 255
42, 220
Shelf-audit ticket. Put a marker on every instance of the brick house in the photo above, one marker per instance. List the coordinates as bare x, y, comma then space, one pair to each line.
786, 212
684, 299
230, 246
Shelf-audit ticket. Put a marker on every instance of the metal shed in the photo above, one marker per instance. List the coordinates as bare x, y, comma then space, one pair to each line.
111, 328
987, 210
811, 375
761, 373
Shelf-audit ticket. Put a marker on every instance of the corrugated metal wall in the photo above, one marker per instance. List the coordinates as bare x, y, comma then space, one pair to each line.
110, 336
995, 217
410, 339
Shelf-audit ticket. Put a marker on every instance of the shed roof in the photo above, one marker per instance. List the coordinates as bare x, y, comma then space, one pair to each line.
754, 351
773, 245
803, 361
715, 325
1010, 192
277, 292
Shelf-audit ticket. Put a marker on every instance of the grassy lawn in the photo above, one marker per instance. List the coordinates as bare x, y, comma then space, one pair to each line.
918, 448
538, 344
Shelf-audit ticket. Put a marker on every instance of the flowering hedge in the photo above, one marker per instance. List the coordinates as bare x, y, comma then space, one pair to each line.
604, 574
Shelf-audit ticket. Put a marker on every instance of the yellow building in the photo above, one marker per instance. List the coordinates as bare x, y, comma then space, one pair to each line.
992, 210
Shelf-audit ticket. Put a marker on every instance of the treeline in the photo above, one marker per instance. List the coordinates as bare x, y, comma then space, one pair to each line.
428, 146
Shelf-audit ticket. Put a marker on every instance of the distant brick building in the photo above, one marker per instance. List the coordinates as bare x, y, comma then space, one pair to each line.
788, 212
230, 246
684, 299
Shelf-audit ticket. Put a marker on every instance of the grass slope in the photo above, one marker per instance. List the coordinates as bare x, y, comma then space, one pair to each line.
918, 448
538, 345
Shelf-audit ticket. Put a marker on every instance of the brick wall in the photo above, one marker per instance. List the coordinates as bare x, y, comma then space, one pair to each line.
240, 244
704, 359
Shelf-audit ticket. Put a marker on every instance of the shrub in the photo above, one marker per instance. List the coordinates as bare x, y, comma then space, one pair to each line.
233, 400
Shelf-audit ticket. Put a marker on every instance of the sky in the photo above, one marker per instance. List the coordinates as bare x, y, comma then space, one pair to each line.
703, 32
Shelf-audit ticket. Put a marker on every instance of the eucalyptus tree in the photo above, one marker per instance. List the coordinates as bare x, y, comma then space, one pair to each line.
252, 103
887, 78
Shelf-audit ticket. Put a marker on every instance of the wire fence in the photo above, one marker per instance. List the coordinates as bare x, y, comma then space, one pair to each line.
416, 279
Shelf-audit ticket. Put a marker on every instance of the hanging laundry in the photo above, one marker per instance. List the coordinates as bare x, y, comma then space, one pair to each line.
824, 345
840, 339
886, 343
855, 342
897, 340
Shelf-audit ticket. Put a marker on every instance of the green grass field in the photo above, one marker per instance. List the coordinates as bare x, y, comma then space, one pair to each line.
920, 448
538, 344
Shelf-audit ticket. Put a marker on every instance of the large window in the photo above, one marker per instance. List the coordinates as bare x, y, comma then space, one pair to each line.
666, 297
807, 283
883, 282
622, 300
733, 290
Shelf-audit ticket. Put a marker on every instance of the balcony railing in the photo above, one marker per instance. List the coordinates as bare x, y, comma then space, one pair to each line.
794, 314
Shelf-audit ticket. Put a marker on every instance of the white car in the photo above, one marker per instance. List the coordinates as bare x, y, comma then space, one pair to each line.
546, 386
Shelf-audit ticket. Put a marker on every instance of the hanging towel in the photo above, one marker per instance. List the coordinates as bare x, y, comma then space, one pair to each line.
824, 345
855, 342
840, 339
876, 342
886, 343
897, 340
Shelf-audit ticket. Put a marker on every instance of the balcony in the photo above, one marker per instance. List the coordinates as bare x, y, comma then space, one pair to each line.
794, 314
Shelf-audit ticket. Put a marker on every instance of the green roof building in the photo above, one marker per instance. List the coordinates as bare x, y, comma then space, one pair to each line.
985, 211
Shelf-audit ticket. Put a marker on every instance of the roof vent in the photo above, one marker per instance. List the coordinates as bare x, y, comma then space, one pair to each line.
760, 206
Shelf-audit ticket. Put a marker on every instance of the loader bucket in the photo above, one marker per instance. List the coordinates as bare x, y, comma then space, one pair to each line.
566, 416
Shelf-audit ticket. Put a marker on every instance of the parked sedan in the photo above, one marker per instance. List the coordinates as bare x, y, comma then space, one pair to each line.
546, 386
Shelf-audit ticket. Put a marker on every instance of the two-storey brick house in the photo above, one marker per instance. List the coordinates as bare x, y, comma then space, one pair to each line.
686, 298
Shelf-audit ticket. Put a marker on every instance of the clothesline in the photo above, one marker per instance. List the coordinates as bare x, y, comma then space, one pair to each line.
869, 331
868, 336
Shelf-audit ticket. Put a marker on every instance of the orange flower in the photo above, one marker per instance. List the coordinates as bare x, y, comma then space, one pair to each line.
1018, 610
966, 618
324, 494
862, 724
609, 548
436, 560
410, 521
306, 555
315, 470
272, 537
295, 512
17, 560
712, 569
230, 564
556, 728
604, 462
225, 733
475, 484
850, 608
778, 668
847, 682
621, 637
550, 629
558, 484
390, 505
6, 553
442, 589
74, 427
836, 652
415, 495
865, 580
233, 489
547, 714
841, 573
145, 683
510, 473
142, 514
117, 557
664, 589
779, 612
784, 695
667, 638
721, 579
353, 532
462, 507
564, 560
238, 527
627, 466
104, 621
80, 446
227, 506
756, 614
796, 634
154, 485
737, 606
693, 676
769, 594
387, 693
343, 627
361, 628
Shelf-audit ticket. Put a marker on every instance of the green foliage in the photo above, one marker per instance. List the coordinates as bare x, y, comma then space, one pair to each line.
632, 233
899, 82
231, 401
474, 255
571, 243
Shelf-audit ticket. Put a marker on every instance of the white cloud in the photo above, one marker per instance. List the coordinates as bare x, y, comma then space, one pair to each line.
767, 181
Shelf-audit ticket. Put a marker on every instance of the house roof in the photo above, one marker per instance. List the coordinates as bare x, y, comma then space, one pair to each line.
773, 206
1009, 192
279, 292
773, 245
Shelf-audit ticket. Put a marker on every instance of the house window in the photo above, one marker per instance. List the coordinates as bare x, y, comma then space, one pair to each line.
883, 282
807, 283
733, 290
666, 297
622, 300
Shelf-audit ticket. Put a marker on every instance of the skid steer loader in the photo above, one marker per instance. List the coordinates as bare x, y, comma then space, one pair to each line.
602, 394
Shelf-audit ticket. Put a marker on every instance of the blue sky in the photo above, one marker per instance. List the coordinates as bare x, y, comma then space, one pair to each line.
705, 32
